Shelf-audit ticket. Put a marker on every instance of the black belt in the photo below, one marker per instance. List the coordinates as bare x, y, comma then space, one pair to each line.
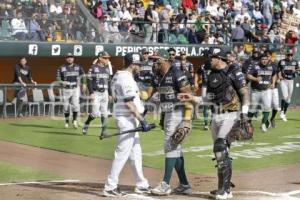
70, 86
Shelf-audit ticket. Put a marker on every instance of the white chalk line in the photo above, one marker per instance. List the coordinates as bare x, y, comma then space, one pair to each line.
285, 195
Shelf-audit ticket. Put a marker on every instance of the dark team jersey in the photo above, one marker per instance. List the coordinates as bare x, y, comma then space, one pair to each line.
203, 74
98, 78
145, 74
248, 63
176, 63
69, 73
169, 86
276, 70
23, 72
188, 70
223, 86
288, 68
265, 72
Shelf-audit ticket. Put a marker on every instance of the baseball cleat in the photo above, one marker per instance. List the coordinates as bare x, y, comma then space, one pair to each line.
221, 195
283, 117
85, 129
163, 189
75, 124
264, 128
113, 193
66, 125
183, 189
142, 190
206, 127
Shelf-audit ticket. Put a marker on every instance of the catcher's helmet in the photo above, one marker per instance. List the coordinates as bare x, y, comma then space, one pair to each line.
132, 58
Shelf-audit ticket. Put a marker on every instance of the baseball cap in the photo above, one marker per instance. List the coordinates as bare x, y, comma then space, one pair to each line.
69, 54
290, 52
219, 53
103, 54
132, 58
162, 54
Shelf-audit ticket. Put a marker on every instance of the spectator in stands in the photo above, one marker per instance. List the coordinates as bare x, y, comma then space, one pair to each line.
257, 14
77, 25
140, 14
238, 34
155, 25
125, 29
278, 10
240, 17
115, 36
125, 14
237, 7
98, 11
20, 9
9, 12
55, 9
44, 4
187, 5
34, 28
291, 37
2, 11
267, 11
113, 7
148, 21
247, 28
19, 30
47, 29
164, 20
212, 8
64, 21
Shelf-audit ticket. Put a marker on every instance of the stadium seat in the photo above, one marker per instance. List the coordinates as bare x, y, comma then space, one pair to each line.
4, 107
51, 103
38, 99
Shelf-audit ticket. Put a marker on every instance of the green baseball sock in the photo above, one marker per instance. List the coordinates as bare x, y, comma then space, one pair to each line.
286, 107
282, 104
104, 123
265, 117
205, 115
67, 115
89, 119
179, 167
274, 112
169, 165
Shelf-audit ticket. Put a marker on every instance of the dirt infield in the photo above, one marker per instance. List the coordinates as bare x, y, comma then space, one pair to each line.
272, 183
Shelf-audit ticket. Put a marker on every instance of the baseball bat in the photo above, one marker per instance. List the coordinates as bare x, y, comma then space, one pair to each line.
125, 132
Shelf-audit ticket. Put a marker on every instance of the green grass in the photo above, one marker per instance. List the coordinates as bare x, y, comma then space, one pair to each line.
14, 173
50, 134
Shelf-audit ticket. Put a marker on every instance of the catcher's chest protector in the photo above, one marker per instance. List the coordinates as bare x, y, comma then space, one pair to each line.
219, 87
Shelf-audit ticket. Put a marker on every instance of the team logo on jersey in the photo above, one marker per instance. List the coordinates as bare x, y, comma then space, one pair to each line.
33, 49
55, 50
215, 80
169, 80
77, 50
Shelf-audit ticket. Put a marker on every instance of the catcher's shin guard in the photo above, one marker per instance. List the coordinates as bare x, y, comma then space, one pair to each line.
221, 147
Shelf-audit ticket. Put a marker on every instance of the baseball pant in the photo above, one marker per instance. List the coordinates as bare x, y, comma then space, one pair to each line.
287, 87
222, 124
261, 98
100, 104
73, 96
128, 147
171, 122
275, 99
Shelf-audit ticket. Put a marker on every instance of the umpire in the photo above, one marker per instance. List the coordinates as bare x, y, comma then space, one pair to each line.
70, 75
98, 79
226, 88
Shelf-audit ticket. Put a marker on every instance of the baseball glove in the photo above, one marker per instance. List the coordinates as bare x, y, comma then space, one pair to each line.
182, 131
242, 130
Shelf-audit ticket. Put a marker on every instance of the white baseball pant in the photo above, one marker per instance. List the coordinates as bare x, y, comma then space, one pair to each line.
275, 99
261, 98
287, 87
222, 124
128, 147
100, 104
73, 95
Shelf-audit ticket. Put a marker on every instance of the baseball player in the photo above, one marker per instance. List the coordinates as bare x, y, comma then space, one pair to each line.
171, 81
128, 108
263, 78
70, 75
275, 94
22, 75
287, 72
99, 89
226, 87
145, 76
172, 58
187, 67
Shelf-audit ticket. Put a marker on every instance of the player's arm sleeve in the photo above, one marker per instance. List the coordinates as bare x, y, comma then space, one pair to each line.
90, 81
127, 92
17, 71
240, 86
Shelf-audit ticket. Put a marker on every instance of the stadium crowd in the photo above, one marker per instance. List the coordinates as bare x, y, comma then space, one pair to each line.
41, 20
196, 22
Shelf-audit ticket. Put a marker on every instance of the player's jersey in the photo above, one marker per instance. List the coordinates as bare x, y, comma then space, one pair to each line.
145, 74
288, 68
276, 70
176, 63
223, 86
169, 86
248, 63
70, 73
188, 70
265, 72
98, 78
125, 88
23, 72
202, 72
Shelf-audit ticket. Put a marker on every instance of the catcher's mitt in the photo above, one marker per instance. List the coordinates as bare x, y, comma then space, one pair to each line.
241, 130
182, 131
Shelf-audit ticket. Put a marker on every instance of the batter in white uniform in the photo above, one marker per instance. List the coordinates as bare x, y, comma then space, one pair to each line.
127, 110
